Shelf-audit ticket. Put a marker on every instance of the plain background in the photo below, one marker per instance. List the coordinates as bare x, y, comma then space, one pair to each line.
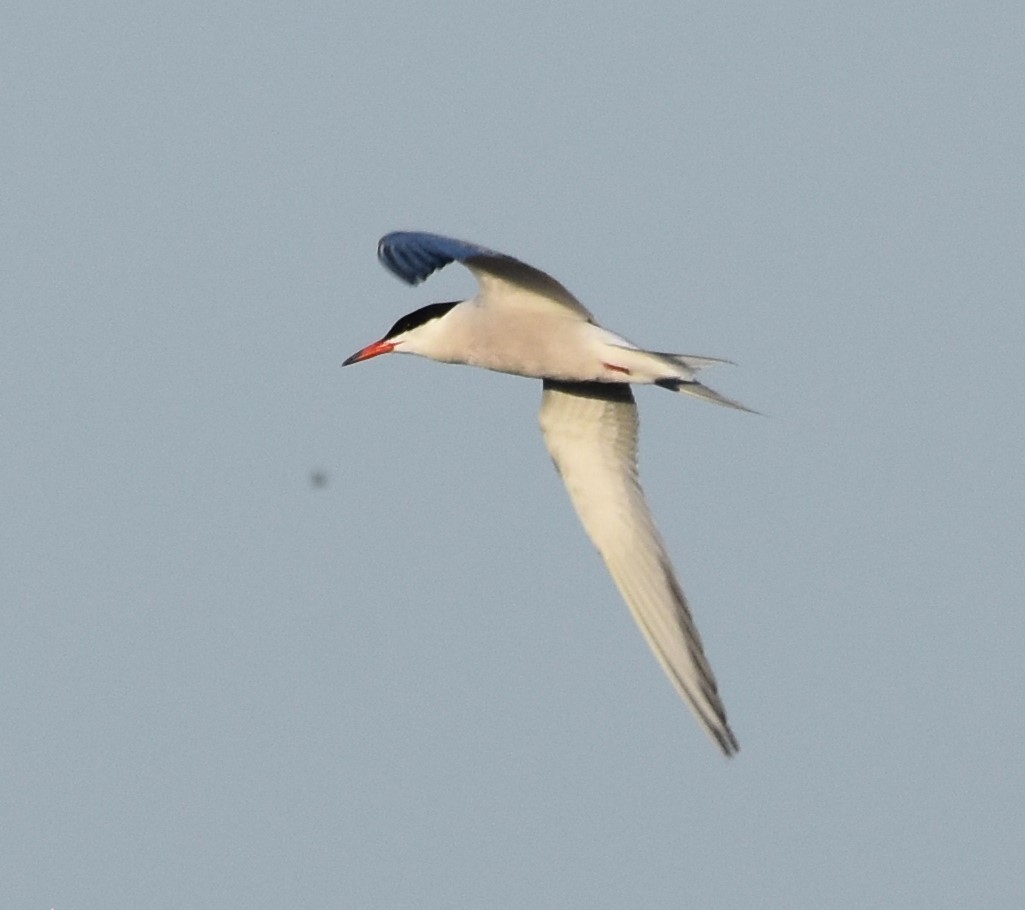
222, 685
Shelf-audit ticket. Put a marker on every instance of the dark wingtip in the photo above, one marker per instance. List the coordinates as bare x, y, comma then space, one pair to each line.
728, 743
415, 255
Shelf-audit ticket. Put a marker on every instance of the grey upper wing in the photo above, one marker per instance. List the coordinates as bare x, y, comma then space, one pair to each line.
591, 432
414, 255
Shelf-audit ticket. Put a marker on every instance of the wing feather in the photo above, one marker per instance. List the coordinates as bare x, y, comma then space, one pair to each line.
414, 256
591, 432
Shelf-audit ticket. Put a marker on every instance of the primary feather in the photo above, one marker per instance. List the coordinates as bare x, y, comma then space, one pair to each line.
591, 433
413, 256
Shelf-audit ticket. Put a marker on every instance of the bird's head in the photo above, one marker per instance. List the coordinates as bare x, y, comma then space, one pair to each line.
415, 333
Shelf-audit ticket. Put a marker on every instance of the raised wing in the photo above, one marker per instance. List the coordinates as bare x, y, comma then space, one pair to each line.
413, 256
591, 432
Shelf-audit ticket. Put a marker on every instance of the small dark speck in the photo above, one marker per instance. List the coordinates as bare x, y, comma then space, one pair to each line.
318, 479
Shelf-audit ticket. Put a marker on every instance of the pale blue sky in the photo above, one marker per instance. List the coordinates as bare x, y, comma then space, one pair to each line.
416, 686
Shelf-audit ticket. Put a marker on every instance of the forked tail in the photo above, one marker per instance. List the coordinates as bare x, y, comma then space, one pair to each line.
695, 388
676, 372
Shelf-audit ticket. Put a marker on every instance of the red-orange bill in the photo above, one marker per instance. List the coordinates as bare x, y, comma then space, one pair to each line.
371, 350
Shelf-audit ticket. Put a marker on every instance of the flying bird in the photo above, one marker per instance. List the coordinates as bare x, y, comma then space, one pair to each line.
524, 322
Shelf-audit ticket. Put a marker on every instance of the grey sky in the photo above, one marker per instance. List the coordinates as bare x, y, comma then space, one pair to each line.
415, 686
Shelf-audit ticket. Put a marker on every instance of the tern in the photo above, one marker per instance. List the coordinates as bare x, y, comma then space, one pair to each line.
522, 321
